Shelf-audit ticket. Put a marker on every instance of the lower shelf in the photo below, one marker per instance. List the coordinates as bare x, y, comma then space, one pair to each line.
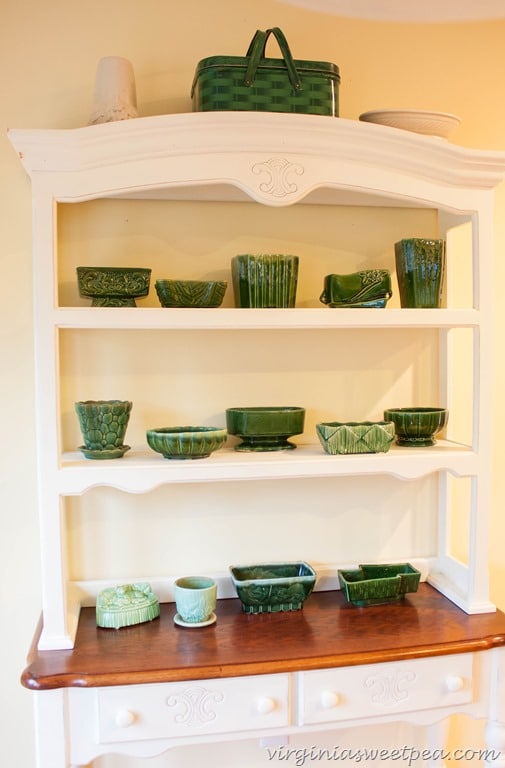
328, 632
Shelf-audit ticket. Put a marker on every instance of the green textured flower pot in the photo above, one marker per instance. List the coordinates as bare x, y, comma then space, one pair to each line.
420, 271
103, 426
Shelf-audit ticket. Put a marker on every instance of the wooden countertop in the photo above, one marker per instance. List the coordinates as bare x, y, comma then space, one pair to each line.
328, 632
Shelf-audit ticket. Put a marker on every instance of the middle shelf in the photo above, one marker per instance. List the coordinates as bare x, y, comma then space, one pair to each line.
141, 470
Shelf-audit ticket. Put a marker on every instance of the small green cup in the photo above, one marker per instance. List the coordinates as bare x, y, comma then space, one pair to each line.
195, 599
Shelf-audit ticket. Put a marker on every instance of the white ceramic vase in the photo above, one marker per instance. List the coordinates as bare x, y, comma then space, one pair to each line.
115, 96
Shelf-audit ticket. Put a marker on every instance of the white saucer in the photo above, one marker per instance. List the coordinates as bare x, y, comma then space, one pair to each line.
182, 623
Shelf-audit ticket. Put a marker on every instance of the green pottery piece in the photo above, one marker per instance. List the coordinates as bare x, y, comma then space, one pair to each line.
420, 270
103, 426
417, 426
379, 584
113, 286
264, 280
265, 428
186, 442
356, 436
195, 600
190, 293
126, 605
367, 288
273, 587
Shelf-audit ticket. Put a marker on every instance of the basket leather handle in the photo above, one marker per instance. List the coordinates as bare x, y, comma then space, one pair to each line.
256, 52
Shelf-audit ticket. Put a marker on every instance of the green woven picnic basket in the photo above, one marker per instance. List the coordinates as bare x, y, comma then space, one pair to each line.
254, 82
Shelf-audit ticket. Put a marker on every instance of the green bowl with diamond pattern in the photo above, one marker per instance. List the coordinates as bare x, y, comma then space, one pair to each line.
338, 437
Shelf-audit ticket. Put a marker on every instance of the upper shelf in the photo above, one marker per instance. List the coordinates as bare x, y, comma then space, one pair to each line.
257, 319
274, 159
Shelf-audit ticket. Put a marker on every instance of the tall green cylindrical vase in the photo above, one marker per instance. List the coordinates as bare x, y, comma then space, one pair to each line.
420, 271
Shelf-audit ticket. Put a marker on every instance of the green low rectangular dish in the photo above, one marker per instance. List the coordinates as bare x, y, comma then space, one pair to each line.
273, 587
379, 584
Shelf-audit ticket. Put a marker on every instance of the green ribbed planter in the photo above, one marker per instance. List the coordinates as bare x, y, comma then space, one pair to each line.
264, 280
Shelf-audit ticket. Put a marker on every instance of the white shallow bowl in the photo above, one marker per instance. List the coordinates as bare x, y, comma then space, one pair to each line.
439, 124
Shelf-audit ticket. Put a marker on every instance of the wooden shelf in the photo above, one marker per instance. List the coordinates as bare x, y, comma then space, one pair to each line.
328, 632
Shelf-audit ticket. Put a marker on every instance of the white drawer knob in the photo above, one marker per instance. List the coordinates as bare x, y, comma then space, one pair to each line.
265, 705
329, 699
453, 683
124, 718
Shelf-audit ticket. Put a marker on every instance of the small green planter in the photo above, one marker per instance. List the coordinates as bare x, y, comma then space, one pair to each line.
379, 584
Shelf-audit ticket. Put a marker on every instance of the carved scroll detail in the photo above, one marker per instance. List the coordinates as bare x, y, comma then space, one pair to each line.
196, 706
389, 690
279, 173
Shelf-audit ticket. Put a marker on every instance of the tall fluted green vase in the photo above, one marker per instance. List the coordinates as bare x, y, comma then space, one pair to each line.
420, 271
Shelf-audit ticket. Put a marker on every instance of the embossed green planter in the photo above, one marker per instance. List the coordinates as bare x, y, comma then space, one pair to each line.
367, 288
273, 587
113, 286
420, 271
190, 293
126, 605
103, 426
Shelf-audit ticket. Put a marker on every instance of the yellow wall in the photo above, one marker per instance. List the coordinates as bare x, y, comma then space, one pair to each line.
48, 56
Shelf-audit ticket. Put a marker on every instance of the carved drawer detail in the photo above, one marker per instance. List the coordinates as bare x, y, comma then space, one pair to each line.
381, 689
168, 710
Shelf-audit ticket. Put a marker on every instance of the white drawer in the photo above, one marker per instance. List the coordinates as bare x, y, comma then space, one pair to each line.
167, 710
379, 689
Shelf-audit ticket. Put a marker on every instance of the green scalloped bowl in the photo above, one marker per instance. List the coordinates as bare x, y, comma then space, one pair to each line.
186, 442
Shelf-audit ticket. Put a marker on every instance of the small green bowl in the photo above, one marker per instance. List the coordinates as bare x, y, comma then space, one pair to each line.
190, 293
273, 587
417, 427
186, 442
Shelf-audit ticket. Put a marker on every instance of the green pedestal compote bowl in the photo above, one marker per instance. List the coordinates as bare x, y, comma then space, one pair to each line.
264, 428
113, 286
